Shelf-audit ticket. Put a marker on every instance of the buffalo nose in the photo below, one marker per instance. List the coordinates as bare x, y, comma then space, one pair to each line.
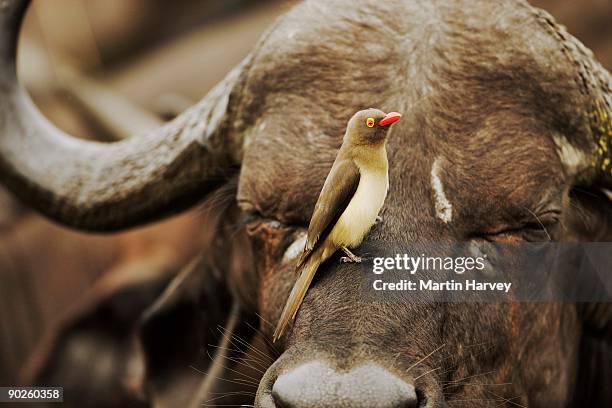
317, 385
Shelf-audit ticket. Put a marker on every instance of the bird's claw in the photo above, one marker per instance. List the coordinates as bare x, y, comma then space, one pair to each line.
348, 259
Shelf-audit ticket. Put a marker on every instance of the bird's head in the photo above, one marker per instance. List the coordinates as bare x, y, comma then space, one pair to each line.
370, 126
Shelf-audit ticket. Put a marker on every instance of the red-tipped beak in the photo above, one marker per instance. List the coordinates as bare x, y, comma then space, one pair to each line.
390, 118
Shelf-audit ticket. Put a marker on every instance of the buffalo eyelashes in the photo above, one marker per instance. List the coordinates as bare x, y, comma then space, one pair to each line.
370, 122
530, 232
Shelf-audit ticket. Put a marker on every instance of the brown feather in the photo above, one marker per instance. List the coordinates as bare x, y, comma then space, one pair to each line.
307, 273
339, 188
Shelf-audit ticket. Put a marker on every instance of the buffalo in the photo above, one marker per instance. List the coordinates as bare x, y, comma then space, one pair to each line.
506, 136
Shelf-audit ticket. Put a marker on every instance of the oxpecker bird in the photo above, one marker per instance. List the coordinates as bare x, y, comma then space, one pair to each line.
349, 203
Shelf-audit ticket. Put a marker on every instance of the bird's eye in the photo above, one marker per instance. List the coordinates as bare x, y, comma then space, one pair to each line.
370, 122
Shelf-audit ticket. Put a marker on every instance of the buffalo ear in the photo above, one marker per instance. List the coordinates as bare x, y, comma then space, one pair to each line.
588, 215
589, 219
597, 320
595, 357
90, 351
585, 151
179, 334
174, 332
241, 356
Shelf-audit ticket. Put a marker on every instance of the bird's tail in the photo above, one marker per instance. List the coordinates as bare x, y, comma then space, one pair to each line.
306, 274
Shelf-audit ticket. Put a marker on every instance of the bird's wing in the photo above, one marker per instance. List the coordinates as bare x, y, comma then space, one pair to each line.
339, 188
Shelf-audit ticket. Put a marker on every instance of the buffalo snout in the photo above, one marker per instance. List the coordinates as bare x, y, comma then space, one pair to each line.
318, 385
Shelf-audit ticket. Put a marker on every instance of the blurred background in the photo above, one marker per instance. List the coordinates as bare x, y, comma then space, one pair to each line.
106, 70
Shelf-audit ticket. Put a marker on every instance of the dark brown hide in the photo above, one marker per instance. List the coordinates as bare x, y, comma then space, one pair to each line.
489, 89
